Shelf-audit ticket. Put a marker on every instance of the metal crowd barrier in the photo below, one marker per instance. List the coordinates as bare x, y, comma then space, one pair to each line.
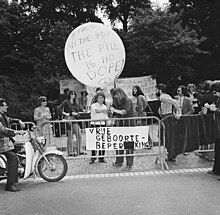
195, 133
69, 136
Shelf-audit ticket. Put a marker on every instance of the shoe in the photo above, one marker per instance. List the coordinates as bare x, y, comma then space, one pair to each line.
129, 166
186, 153
102, 161
91, 161
170, 159
71, 155
211, 172
12, 188
117, 164
82, 153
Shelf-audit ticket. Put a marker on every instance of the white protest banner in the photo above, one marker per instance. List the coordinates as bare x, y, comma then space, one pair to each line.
94, 54
113, 138
72, 84
146, 83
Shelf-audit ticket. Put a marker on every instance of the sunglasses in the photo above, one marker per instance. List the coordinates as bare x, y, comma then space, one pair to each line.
44, 100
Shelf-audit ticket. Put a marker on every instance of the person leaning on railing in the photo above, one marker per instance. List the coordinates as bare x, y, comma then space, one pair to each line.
167, 103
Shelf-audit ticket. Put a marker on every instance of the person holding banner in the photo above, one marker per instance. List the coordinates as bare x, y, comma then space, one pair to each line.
99, 114
123, 109
70, 109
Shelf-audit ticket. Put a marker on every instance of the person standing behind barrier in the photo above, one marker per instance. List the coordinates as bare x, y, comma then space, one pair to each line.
98, 89
42, 114
110, 103
142, 103
194, 97
167, 102
64, 95
123, 109
185, 103
216, 110
207, 98
83, 101
70, 109
98, 112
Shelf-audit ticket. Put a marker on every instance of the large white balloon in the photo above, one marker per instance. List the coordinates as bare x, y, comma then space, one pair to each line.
94, 54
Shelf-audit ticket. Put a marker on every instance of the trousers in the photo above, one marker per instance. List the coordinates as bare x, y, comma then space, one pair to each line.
12, 161
216, 167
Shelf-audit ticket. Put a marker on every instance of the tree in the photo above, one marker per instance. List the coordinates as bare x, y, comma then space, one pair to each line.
204, 17
159, 45
123, 10
31, 55
73, 12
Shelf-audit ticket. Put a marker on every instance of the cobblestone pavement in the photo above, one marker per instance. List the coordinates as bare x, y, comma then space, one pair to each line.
79, 167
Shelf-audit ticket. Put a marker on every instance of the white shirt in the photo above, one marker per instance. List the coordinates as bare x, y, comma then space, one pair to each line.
98, 116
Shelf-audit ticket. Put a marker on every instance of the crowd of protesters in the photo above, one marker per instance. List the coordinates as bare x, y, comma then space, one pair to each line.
189, 100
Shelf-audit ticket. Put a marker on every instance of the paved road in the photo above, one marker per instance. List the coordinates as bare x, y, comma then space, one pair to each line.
168, 194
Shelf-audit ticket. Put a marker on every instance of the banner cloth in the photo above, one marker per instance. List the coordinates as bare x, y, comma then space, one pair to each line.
188, 133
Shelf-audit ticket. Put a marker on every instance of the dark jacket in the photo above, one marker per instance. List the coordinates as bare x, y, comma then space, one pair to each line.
6, 133
127, 105
68, 107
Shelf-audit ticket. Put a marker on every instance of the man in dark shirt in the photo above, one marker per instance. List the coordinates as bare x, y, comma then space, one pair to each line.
215, 108
64, 95
7, 146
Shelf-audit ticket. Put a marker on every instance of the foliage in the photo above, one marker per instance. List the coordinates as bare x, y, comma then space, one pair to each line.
159, 45
123, 10
204, 17
33, 35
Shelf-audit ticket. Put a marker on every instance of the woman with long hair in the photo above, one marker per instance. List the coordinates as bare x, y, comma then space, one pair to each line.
142, 105
123, 109
70, 109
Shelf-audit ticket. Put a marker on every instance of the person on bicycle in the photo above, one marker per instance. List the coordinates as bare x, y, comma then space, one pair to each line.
7, 146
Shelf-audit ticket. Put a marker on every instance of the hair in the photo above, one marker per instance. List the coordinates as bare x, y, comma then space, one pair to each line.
2, 101
191, 86
99, 88
184, 89
161, 87
206, 85
66, 90
120, 94
40, 99
139, 91
85, 92
99, 94
70, 93
215, 86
